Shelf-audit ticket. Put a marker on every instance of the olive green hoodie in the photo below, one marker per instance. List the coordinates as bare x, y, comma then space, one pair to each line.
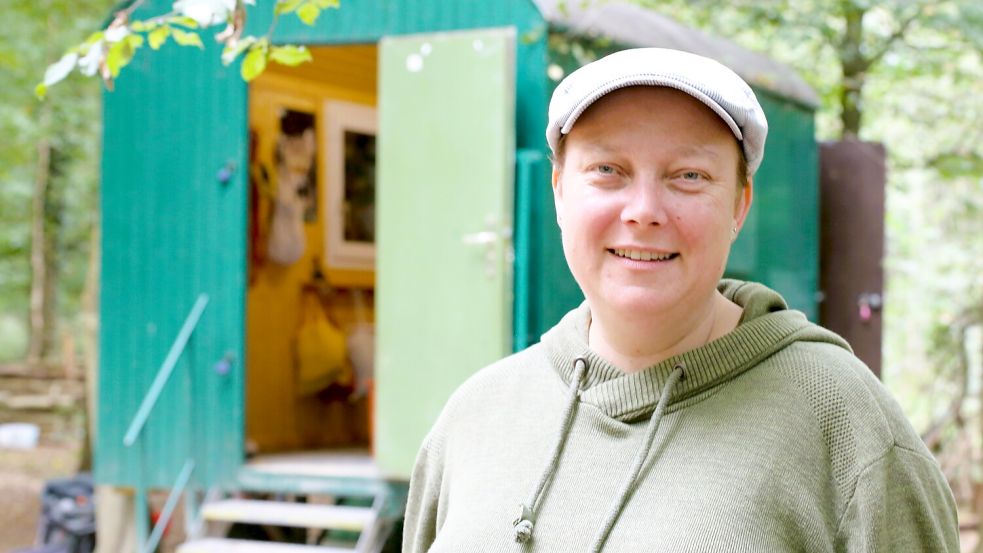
771, 438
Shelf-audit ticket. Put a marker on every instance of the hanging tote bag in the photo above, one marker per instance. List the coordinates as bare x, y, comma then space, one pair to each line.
321, 352
286, 240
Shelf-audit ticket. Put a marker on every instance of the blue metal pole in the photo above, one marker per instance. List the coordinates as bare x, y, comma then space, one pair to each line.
526, 160
169, 506
165, 371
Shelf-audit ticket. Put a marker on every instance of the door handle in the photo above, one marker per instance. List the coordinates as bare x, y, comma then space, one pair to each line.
489, 239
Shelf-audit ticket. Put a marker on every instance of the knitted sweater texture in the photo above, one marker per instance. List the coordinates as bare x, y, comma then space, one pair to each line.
776, 438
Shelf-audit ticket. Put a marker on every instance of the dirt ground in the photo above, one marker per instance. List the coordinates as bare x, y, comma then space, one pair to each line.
22, 475
23, 472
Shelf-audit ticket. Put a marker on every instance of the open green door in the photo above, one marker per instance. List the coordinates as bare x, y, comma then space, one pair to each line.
173, 208
444, 218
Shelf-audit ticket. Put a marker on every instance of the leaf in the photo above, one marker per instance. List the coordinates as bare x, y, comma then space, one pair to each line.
308, 13
158, 37
229, 54
183, 20
286, 6
254, 63
290, 55
326, 4
120, 54
60, 69
135, 41
184, 38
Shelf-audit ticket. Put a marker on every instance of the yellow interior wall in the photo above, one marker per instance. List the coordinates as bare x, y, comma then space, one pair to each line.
276, 418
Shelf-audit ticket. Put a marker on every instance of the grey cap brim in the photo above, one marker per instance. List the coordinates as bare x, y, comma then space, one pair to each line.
710, 82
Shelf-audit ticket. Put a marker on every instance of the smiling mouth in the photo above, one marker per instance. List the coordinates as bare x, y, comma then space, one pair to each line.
637, 255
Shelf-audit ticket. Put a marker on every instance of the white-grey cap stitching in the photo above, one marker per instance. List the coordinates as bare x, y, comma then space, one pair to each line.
710, 82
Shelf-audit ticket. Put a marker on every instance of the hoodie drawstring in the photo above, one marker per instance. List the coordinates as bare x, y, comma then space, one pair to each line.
523, 525
643, 453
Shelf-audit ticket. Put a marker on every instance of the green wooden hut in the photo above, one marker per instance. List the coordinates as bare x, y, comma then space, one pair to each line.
199, 386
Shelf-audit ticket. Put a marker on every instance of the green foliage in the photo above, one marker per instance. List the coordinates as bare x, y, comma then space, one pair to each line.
290, 55
121, 53
185, 38
307, 10
255, 61
260, 52
157, 37
73, 127
108, 51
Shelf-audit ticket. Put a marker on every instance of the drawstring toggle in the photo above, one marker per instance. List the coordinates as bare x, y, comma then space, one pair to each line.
523, 525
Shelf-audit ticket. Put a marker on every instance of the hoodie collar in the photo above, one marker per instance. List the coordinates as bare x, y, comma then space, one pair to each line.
767, 325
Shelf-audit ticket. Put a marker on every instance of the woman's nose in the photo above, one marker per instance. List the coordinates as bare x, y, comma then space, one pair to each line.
644, 205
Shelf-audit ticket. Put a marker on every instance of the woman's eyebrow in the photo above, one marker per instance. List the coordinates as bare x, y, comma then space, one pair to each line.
698, 149
599, 146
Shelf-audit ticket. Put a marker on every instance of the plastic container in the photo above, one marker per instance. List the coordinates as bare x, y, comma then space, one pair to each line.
19, 435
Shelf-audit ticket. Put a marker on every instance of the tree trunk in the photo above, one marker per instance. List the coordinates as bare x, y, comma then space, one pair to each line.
90, 343
41, 290
854, 66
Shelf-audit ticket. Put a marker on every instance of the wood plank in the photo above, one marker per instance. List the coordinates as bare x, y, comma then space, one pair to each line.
348, 463
299, 515
219, 545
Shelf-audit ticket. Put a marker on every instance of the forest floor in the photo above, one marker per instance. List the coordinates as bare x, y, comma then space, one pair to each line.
23, 473
54, 405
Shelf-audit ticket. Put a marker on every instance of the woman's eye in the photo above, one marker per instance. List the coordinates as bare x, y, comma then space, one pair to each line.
605, 169
692, 175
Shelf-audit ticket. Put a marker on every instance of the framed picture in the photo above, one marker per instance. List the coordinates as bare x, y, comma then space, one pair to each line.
350, 140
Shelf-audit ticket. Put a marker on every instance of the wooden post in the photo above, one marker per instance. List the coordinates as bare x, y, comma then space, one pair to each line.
852, 182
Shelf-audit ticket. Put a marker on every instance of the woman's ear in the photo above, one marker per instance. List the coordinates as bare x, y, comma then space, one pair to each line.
557, 195
745, 196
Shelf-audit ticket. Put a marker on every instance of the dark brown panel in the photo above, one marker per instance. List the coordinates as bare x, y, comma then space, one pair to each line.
852, 179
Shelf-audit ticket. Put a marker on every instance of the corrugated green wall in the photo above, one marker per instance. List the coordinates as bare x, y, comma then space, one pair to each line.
172, 231
782, 248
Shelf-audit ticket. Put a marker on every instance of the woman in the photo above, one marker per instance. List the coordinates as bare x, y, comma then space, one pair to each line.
672, 411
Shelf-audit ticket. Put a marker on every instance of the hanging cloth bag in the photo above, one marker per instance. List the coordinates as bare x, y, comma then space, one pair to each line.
321, 352
361, 347
286, 241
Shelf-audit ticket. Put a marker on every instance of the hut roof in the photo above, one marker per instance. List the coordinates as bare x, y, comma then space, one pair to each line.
632, 25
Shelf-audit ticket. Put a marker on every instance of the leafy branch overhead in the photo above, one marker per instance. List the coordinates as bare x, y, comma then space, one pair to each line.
106, 52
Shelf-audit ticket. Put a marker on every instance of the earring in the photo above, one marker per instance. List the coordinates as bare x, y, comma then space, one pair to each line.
733, 234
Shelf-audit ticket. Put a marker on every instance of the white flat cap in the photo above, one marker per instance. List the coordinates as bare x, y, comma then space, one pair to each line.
705, 79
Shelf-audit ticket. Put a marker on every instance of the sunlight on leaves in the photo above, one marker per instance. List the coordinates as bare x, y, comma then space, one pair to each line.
290, 55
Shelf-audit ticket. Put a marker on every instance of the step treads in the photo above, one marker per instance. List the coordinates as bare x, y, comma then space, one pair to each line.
221, 545
300, 515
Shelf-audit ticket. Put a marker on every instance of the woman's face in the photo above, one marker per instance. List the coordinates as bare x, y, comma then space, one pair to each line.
646, 199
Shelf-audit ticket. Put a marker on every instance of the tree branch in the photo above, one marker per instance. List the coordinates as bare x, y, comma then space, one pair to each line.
898, 34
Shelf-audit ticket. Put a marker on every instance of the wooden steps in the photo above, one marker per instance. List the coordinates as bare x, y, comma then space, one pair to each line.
299, 515
223, 545
301, 490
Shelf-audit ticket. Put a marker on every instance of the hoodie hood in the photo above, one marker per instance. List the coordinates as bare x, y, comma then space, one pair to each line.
767, 326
